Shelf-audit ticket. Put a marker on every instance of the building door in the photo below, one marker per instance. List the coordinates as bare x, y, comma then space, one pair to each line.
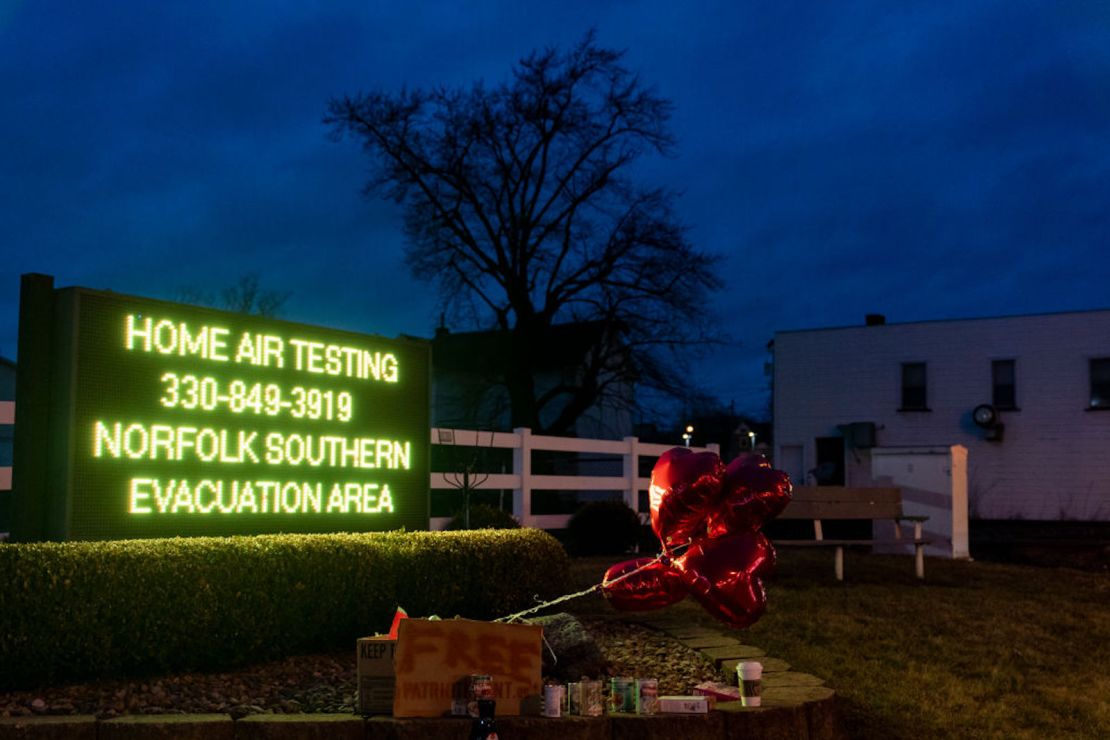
830, 461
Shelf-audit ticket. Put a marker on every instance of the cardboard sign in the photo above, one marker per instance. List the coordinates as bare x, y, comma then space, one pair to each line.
375, 674
434, 659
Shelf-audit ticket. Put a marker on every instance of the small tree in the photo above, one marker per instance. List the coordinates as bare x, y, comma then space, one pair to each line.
467, 474
519, 201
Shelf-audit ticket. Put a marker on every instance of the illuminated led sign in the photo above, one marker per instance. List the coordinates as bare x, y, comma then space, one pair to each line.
166, 419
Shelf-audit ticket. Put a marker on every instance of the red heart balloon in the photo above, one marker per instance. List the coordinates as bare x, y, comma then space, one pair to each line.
749, 460
725, 575
753, 493
654, 587
684, 487
717, 510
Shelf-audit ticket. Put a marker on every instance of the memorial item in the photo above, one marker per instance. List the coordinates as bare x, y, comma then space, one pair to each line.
436, 659
479, 686
375, 674
685, 704
707, 517
719, 691
622, 695
643, 584
574, 698
553, 695
725, 575
755, 492
684, 485
398, 615
592, 701
484, 728
749, 675
647, 696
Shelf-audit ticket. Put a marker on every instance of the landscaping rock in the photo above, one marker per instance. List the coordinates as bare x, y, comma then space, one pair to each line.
770, 665
709, 641
690, 633
729, 652
790, 679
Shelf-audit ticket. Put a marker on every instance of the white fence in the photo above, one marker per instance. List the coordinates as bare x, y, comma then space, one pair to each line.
934, 484
522, 482
7, 416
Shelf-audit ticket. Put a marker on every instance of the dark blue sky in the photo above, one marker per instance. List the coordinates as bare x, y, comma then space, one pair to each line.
859, 156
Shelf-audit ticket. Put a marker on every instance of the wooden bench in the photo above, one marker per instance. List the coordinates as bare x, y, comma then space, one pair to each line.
819, 503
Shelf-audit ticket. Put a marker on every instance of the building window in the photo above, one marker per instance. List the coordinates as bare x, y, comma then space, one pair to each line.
1003, 384
5, 446
1100, 383
913, 386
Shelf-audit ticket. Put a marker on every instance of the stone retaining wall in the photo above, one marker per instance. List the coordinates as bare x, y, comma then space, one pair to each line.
789, 713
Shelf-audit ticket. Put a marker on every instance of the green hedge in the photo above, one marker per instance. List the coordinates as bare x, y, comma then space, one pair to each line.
483, 516
603, 528
89, 609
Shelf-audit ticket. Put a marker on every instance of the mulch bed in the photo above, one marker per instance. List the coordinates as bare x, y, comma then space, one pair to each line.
326, 683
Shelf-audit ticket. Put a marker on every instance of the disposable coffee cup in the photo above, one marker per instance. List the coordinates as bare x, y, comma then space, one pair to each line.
749, 674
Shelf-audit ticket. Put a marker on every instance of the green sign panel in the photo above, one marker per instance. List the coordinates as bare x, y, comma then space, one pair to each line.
178, 420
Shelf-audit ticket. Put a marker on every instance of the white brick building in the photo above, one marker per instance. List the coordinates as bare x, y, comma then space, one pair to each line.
1047, 377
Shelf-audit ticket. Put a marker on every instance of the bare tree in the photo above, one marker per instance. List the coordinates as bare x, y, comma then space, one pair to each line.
246, 296
519, 201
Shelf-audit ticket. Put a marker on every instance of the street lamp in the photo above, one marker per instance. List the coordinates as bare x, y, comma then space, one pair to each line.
751, 441
688, 434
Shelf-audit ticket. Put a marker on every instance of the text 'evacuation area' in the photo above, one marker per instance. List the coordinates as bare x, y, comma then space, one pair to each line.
306, 438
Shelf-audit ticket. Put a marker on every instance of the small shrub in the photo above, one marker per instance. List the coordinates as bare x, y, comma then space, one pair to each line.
603, 528
484, 516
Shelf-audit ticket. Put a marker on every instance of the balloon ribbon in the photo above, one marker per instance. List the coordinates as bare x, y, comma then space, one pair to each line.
584, 592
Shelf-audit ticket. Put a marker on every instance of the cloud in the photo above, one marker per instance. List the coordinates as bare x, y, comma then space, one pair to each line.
926, 161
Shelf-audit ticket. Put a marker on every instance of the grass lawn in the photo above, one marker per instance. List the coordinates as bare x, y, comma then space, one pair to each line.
977, 650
